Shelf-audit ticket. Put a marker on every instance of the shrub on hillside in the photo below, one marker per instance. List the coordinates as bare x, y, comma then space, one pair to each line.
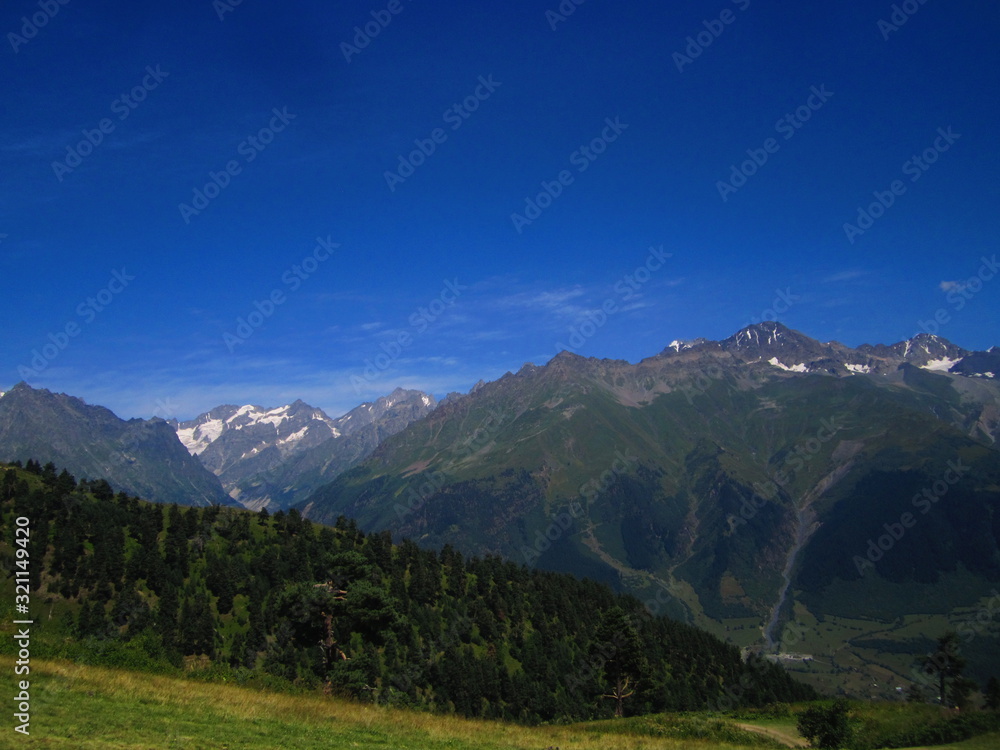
826, 726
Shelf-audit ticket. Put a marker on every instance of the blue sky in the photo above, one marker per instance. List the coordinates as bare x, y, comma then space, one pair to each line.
373, 222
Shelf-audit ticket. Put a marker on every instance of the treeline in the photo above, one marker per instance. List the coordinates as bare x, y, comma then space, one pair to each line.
252, 594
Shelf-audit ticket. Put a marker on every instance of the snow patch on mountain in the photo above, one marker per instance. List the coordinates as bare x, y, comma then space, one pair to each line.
294, 437
858, 368
942, 364
197, 439
255, 415
794, 368
750, 334
239, 413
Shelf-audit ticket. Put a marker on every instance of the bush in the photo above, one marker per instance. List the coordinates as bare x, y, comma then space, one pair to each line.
826, 726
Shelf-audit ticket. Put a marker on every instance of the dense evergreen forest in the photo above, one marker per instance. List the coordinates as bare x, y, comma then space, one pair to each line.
252, 595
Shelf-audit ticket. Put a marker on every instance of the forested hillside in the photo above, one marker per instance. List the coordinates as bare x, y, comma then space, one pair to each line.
253, 596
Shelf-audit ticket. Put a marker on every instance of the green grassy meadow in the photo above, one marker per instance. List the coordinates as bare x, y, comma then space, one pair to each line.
79, 706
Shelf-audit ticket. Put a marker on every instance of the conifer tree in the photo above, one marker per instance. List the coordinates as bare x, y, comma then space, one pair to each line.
946, 664
992, 694
618, 644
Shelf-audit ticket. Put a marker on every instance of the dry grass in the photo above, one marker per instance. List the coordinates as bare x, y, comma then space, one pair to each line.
76, 706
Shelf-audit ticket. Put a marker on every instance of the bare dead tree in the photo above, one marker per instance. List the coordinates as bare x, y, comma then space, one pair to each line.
328, 647
620, 692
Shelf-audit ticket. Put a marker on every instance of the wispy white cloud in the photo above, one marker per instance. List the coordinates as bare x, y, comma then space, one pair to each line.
484, 334
552, 301
843, 276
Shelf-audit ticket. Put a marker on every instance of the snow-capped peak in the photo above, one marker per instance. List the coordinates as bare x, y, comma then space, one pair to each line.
284, 424
197, 438
256, 415
747, 335
770, 333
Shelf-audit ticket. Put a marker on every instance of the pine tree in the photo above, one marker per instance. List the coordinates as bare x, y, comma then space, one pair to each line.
166, 617
946, 664
8, 485
197, 628
992, 694
617, 643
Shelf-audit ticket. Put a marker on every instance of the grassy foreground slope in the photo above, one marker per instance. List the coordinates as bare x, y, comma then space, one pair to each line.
77, 706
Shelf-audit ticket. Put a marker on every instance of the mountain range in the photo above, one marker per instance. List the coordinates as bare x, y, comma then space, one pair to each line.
791, 495
276, 457
758, 483
231, 455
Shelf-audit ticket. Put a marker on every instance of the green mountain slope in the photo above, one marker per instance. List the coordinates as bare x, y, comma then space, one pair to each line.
739, 487
137, 456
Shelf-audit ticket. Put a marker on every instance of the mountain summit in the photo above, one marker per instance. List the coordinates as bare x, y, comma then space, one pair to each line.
273, 457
